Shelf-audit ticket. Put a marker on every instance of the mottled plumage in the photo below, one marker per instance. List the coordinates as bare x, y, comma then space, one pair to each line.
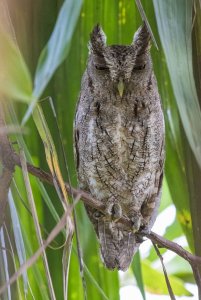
119, 142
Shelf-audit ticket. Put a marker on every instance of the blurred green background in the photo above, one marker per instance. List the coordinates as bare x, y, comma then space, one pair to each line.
52, 37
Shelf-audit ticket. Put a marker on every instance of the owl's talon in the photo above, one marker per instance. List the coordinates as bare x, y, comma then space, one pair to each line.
140, 238
141, 234
137, 221
145, 230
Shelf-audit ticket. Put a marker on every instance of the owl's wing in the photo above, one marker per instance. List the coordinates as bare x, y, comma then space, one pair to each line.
76, 146
150, 207
83, 184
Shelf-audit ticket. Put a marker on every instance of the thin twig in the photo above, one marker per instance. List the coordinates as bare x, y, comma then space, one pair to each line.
194, 261
172, 296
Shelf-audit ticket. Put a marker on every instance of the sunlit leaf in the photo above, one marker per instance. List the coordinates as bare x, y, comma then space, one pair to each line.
56, 49
155, 282
15, 79
179, 267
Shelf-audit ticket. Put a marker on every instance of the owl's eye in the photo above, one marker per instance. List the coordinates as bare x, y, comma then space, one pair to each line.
140, 67
102, 68
97, 214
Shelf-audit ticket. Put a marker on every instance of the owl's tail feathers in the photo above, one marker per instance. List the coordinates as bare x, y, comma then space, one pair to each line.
117, 246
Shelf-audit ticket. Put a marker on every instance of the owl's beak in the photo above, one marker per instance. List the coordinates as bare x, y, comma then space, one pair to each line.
120, 87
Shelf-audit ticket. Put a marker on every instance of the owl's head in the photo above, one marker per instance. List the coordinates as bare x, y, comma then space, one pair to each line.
119, 63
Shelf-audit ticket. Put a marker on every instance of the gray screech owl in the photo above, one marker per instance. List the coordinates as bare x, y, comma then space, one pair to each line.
119, 142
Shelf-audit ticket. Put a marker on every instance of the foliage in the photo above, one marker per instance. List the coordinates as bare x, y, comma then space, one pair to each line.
48, 42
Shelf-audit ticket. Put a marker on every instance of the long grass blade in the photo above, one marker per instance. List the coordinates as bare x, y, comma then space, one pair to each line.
51, 155
19, 243
137, 270
15, 267
22, 145
36, 222
65, 266
67, 246
5, 260
145, 19
88, 273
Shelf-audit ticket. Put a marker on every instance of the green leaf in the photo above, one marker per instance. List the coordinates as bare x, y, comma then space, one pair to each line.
56, 49
136, 268
155, 282
166, 198
38, 184
19, 243
179, 267
175, 172
15, 79
4, 264
123, 20
174, 20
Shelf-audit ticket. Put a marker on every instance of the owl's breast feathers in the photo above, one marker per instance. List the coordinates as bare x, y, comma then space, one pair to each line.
120, 146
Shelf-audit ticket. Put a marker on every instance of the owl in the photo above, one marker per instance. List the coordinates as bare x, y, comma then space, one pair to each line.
119, 143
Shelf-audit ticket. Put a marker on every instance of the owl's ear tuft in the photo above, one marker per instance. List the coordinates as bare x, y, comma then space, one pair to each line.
141, 42
97, 40
142, 36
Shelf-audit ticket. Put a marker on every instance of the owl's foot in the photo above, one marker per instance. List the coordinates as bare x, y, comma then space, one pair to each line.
137, 221
140, 238
114, 210
145, 230
141, 234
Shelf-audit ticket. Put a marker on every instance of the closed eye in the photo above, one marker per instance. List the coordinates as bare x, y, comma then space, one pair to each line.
140, 67
101, 67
